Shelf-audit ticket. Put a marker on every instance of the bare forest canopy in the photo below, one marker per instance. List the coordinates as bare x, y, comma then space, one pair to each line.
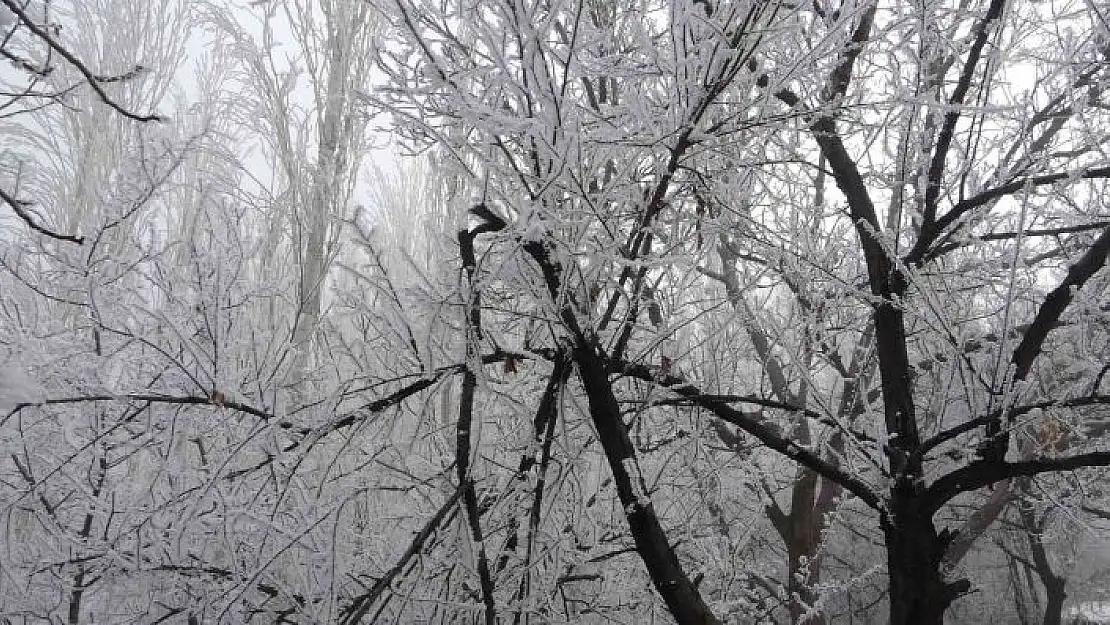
546, 311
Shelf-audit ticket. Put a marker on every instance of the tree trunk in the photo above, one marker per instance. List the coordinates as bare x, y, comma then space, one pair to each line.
918, 593
1054, 605
801, 546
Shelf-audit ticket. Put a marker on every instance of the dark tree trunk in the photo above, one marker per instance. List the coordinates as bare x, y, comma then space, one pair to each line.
1054, 605
918, 593
804, 525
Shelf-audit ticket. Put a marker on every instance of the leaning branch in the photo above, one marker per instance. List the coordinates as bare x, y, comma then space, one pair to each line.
362, 604
935, 174
678, 591
1057, 301
997, 441
769, 403
973, 424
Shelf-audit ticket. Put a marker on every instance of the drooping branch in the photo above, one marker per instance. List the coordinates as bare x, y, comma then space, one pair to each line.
93, 79
20, 208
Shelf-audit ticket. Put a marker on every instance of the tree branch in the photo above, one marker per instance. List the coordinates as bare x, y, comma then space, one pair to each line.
463, 427
1056, 302
766, 432
920, 252
997, 441
972, 424
362, 604
218, 399
766, 403
667, 574
1004, 236
986, 472
20, 208
92, 79
951, 117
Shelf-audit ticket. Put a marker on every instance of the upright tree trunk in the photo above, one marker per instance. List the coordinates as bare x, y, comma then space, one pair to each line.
918, 593
804, 527
1054, 605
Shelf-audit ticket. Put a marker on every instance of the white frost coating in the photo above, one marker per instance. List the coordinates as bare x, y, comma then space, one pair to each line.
639, 493
16, 386
1090, 612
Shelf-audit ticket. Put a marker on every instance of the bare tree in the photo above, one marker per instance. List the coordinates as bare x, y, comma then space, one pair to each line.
700, 311
614, 189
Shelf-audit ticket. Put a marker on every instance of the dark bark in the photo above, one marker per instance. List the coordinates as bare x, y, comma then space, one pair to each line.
937, 165
802, 542
1057, 301
79, 585
680, 594
918, 593
466, 409
1055, 594
888, 284
922, 253
93, 80
20, 209
984, 473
